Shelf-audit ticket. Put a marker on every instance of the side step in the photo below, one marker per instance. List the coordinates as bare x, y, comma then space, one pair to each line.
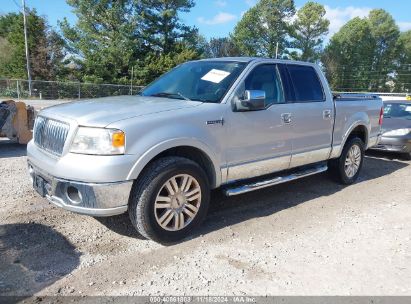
279, 179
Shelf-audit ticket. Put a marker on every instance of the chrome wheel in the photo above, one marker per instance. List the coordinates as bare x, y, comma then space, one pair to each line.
177, 202
353, 161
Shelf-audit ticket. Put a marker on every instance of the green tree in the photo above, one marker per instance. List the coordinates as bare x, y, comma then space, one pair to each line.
348, 57
106, 40
364, 53
161, 24
200, 44
169, 41
46, 55
403, 69
111, 36
309, 30
263, 26
223, 47
386, 34
5, 54
154, 65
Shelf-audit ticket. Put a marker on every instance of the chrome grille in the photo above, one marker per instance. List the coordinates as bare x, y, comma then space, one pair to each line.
50, 135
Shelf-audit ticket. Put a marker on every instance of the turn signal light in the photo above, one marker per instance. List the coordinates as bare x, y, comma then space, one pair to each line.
119, 139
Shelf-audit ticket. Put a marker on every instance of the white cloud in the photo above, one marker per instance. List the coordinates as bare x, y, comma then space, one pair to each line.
404, 26
220, 3
220, 18
339, 16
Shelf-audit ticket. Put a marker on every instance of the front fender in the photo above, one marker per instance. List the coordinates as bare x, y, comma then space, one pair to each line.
173, 143
150, 135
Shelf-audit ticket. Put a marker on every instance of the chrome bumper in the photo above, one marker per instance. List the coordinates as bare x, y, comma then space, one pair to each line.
94, 199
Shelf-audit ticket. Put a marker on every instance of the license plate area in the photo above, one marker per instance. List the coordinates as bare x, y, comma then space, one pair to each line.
39, 185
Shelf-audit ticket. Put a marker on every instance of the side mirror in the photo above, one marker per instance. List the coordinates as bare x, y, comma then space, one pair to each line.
253, 100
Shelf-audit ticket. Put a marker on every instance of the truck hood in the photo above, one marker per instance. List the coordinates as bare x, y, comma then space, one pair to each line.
101, 112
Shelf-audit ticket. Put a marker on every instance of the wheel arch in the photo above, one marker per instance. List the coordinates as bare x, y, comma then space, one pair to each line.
193, 150
358, 129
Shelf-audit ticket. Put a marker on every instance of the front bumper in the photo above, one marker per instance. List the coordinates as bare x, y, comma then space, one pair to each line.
94, 199
394, 144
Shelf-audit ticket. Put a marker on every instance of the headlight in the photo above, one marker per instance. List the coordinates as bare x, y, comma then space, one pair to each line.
98, 141
399, 132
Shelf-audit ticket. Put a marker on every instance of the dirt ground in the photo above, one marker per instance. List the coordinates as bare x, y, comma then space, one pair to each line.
309, 237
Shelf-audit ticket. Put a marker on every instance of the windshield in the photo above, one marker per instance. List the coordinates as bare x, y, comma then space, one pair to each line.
397, 110
205, 81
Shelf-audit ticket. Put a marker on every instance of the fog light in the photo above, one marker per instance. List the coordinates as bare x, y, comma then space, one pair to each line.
74, 195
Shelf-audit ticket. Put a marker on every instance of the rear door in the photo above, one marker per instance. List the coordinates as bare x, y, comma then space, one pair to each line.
311, 115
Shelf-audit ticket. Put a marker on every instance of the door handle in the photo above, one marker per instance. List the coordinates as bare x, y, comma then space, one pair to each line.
286, 118
327, 114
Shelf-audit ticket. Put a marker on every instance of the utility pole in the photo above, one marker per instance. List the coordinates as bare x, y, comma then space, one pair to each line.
132, 78
23, 2
276, 51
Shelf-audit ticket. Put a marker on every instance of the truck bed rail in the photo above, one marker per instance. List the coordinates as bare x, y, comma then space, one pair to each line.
354, 96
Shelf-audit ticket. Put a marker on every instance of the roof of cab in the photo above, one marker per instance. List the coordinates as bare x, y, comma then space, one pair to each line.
250, 59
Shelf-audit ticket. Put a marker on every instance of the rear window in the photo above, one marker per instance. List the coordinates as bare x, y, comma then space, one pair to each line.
307, 85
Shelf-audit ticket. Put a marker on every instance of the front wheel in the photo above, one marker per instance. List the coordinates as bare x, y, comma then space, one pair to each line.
406, 156
169, 200
347, 168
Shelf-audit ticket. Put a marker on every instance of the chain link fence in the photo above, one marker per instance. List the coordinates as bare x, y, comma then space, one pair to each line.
53, 90
56, 90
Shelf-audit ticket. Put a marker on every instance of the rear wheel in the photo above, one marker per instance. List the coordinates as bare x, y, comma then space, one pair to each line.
169, 200
347, 168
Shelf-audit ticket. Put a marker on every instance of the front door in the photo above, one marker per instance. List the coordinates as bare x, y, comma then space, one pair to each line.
259, 142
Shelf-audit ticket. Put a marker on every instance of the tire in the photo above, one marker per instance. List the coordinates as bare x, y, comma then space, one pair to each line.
406, 156
338, 166
160, 220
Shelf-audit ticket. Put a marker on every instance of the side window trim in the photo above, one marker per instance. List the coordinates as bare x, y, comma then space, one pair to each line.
324, 99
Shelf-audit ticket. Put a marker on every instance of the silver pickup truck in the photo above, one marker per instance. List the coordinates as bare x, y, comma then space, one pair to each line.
237, 123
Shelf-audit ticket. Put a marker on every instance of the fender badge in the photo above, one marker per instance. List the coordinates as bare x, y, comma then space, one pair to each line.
215, 122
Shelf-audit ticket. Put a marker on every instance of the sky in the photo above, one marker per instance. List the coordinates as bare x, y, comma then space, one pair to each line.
217, 18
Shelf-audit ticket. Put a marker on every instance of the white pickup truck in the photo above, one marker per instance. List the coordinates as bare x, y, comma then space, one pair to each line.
237, 123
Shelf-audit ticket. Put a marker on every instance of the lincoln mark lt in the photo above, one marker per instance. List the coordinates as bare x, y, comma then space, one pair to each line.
241, 124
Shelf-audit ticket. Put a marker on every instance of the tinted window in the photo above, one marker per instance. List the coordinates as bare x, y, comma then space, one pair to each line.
265, 78
307, 85
205, 81
286, 81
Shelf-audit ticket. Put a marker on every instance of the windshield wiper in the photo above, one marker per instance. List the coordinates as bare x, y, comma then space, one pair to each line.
166, 94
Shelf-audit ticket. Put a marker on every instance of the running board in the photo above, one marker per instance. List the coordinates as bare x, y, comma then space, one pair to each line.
275, 181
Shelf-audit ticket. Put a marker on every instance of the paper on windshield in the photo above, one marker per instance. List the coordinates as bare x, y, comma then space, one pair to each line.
215, 76
408, 109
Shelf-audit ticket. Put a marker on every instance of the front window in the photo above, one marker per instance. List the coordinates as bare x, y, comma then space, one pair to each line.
397, 110
205, 81
265, 78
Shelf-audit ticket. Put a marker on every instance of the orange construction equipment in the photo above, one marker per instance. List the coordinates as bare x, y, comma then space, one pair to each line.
16, 121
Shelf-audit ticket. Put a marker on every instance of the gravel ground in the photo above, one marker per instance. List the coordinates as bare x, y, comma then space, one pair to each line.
308, 237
